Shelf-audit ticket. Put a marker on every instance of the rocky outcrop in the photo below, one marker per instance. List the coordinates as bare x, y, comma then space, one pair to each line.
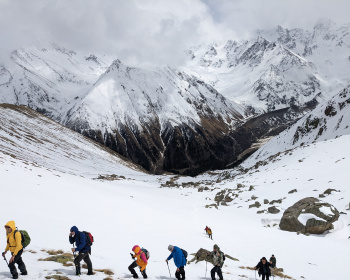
203, 255
309, 215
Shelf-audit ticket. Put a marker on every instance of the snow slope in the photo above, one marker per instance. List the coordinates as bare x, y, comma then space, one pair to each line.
47, 201
33, 138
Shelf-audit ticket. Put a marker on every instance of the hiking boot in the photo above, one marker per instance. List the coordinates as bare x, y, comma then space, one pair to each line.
90, 273
135, 276
15, 276
24, 273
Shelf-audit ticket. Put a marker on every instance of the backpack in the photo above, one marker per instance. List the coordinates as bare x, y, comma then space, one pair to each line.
145, 251
89, 238
223, 256
185, 253
25, 237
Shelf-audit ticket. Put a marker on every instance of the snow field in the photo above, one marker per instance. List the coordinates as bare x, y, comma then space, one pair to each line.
124, 213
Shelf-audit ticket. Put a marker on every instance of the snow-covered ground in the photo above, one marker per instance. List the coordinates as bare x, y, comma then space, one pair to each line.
46, 201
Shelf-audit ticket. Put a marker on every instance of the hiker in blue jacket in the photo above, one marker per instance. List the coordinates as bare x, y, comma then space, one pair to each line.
83, 248
179, 260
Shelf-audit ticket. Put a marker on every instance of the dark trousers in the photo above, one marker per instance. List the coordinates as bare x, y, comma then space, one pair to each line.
21, 266
181, 273
211, 236
83, 256
265, 275
133, 272
216, 269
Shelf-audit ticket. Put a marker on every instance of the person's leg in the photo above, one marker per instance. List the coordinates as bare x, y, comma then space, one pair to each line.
263, 276
219, 272
132, 270
177, 274
21, 266
13, 270
182, 272
77, 261
88, 262
144, 274
267, 277
212, 273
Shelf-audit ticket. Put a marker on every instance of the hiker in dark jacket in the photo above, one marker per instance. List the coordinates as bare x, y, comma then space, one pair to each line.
264, 268
83, 248
218, 261
179, 260
14, 245
273, 261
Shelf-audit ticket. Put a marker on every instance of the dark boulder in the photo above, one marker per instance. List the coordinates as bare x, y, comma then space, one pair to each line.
273, 210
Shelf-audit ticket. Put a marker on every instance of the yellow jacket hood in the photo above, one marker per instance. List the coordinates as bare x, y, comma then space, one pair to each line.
12, 225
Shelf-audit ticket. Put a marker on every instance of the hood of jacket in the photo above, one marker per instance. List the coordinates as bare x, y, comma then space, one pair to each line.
216, 247
12, 225
75, 229
136, 249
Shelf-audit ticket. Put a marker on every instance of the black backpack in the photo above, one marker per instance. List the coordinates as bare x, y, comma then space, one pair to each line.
185, 253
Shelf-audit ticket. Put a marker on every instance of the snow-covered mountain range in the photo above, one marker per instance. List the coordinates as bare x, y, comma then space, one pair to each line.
60, 178
205, 115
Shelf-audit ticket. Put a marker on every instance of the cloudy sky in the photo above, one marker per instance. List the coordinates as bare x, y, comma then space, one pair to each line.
152, 31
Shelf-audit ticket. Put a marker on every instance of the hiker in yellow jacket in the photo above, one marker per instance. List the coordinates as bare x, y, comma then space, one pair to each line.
14, 245
210, 233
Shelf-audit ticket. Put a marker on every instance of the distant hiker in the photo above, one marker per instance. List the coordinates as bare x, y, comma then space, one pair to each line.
83, 248
179, 260
14, 244
206, 229
264, 268
141, 256
218, 261
273, 261
210, 233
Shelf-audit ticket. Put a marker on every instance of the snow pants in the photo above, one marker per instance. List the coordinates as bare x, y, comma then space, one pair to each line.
21, 266
216, 269
83, 256
265, 275
181, 273
133, 272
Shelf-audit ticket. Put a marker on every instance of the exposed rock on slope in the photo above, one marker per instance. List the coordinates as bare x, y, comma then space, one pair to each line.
309, 215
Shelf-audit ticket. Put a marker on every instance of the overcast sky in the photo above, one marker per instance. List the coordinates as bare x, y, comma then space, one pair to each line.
152, 31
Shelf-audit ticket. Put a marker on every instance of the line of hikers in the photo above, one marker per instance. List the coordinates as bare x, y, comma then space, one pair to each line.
17, 240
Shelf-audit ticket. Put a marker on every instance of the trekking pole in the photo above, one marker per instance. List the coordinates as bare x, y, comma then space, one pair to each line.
255, 274
168, 269
206, 267
6, 261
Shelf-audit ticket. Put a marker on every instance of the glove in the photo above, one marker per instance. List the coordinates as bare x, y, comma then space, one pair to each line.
3, 254
132, 256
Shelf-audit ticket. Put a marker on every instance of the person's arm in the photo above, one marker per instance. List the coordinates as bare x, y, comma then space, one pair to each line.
82, 241
7, 247
18, 238
71, 239
170, 256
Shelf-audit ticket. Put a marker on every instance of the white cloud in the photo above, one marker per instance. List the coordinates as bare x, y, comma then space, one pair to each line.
150, 31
